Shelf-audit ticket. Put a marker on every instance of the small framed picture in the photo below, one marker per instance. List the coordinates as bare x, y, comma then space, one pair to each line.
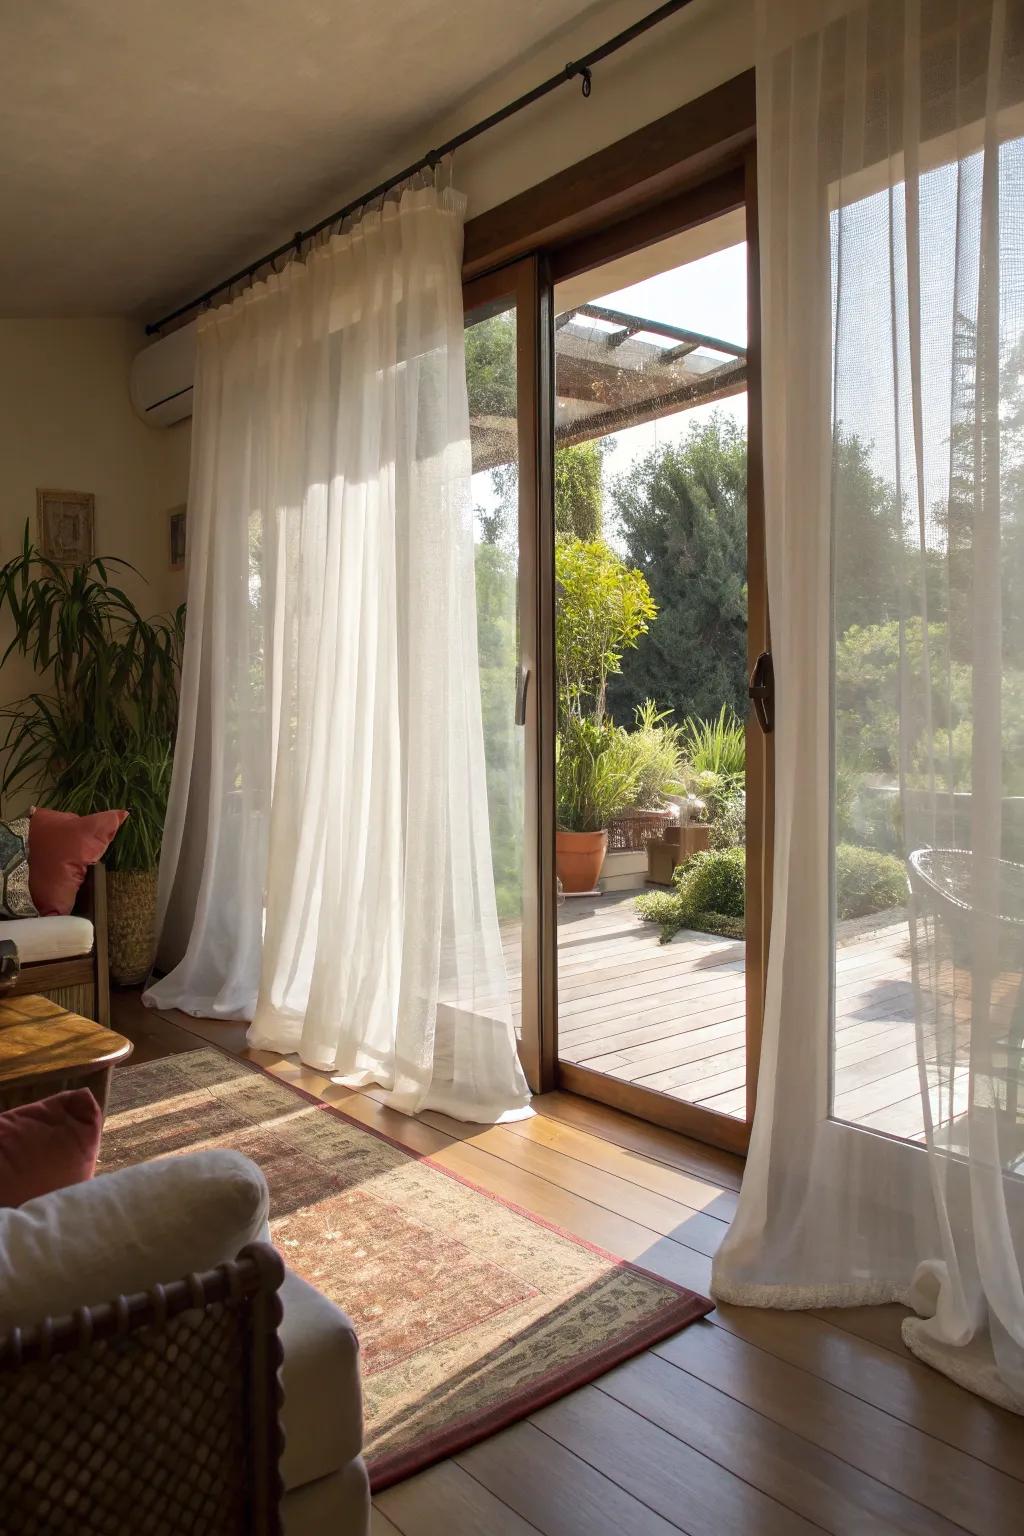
66, 520
176, 537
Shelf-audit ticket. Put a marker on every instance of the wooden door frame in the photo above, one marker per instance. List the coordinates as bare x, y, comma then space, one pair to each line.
633, 176
760, 759
732, 187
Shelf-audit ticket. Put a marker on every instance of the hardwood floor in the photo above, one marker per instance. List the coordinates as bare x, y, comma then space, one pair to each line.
671, 1016
750, 1423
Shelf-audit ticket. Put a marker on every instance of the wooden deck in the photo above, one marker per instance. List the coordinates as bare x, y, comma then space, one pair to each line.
671, 1017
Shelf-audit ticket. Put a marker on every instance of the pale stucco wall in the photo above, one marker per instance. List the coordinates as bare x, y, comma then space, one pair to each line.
66, 422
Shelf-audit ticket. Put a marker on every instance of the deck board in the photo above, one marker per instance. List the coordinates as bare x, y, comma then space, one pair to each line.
671, 1017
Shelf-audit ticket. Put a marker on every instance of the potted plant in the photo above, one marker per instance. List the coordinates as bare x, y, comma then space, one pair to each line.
592, 784
102, 736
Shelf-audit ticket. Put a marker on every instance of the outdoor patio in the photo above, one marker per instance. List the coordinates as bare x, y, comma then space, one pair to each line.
672, 1016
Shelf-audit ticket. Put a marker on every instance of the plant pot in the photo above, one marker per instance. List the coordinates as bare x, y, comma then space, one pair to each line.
131, 924
578, 859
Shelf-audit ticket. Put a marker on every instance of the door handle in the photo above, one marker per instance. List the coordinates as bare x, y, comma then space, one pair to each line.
522, 687
761, 692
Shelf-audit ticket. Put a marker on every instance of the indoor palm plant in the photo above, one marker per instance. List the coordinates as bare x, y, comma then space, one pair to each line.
101, 735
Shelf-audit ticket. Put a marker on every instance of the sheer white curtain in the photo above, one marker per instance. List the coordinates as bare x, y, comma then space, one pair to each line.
327, 858
891, 169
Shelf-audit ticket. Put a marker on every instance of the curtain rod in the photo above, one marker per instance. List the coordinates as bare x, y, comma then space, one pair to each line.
580, 67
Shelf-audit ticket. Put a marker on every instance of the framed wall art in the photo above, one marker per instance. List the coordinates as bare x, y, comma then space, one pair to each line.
176, 523
66, 522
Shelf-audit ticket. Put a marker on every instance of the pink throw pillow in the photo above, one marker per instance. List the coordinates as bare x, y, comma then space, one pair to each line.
61, 846
49, 1144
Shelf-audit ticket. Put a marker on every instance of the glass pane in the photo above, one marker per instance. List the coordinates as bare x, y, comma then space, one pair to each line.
928, 1013
491, 380
651, 642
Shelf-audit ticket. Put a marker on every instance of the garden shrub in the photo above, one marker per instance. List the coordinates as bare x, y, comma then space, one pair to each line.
729, 827
603, 608
708, 896
709, 890
867, 881
650, 753
714, 881
660, 907
718, 923
716, 746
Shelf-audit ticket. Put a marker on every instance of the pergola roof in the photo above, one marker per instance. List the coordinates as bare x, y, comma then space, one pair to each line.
614, 370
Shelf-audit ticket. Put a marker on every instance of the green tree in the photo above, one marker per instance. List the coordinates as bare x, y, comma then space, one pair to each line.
491, 365
578, 492
681, 513
578, 495
883, 707
869, 552
602, 609
682, 516
952, 575
1012, 503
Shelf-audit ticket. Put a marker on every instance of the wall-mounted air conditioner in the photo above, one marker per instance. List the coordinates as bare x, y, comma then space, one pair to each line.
161, 378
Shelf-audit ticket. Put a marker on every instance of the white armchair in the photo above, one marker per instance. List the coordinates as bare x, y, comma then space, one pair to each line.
151, 1226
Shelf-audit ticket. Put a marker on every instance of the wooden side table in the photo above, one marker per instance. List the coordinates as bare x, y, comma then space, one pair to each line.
43, 1049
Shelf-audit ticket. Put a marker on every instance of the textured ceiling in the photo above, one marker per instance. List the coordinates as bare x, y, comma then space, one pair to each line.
151, 146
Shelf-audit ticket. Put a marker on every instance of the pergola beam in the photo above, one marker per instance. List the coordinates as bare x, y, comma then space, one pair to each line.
673, 354
730, 379
618, 337
634, 323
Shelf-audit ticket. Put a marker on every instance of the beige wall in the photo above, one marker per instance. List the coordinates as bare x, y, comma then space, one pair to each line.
66, 423
704, 45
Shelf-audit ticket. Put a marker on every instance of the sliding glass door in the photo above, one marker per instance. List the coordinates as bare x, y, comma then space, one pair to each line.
659, 622
615, 415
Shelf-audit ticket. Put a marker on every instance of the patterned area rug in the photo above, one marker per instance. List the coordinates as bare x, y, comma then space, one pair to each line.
471, 1313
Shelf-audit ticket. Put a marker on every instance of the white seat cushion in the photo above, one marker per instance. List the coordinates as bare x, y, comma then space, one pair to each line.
48, 938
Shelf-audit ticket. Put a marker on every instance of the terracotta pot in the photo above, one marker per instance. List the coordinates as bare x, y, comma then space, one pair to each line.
578, 859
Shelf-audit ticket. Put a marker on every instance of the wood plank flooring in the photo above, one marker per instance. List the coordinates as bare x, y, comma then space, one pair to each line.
671, 1016
750, 1423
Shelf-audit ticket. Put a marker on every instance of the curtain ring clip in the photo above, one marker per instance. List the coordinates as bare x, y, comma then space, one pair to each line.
583, 70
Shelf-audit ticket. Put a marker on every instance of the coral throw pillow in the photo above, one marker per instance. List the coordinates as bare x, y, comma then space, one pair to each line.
48, 1145
61, 846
